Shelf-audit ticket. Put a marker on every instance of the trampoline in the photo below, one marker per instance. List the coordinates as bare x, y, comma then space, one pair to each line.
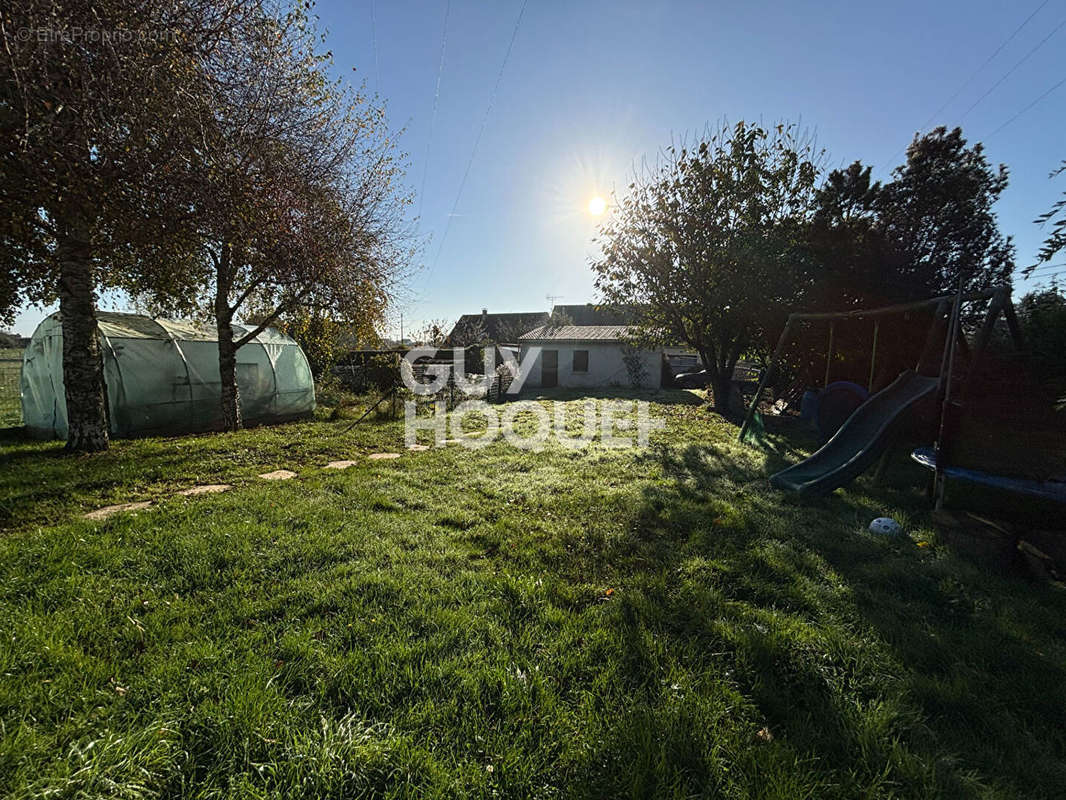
1047, 490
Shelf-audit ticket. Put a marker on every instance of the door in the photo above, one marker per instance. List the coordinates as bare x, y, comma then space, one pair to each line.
549, 369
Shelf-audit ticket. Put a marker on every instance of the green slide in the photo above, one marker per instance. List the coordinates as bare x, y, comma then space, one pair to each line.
860, 440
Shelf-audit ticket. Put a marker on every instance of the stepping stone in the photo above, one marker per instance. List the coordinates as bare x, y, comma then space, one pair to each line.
278, 475
340, 464
107, 511
380, 456
418, 447
210, 488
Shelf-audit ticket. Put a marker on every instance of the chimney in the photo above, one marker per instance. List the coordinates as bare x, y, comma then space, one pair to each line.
484, 315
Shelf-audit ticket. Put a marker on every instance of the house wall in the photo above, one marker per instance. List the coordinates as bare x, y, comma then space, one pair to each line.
607, 367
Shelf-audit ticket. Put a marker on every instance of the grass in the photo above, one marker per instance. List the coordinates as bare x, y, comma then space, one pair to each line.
10, 372
505, 623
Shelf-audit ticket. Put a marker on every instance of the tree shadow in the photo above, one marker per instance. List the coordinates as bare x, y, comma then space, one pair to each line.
886, 661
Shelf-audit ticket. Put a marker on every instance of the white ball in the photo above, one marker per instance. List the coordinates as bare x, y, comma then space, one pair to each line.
886, 526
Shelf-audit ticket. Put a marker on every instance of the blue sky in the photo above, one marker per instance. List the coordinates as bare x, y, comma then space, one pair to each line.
592, 87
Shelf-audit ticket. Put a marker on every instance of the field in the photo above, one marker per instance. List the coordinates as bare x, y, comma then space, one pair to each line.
10, 404
505, 623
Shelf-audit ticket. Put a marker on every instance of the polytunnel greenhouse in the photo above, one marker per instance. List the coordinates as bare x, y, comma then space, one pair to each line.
162, 377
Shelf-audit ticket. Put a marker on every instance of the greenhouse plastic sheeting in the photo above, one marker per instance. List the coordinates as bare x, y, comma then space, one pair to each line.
162, 377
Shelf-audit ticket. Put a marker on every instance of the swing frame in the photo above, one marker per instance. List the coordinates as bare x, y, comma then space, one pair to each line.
999, 302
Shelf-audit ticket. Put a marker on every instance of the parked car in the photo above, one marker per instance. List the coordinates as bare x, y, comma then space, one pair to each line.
692, 380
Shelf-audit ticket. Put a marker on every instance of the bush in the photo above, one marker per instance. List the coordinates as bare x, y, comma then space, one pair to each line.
1042, 316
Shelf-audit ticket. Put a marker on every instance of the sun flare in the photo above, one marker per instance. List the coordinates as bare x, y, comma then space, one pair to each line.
597, 205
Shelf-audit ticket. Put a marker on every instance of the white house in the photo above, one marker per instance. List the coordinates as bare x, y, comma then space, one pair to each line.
588, 357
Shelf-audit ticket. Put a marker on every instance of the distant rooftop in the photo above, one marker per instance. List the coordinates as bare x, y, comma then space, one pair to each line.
598, 314
576, 333
505, 327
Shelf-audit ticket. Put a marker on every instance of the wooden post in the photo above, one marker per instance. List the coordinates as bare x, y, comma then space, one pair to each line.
995, 305
765, 378
1012, 323
930, 339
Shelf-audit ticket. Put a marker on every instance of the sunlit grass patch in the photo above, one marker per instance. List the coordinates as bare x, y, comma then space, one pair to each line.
585, 622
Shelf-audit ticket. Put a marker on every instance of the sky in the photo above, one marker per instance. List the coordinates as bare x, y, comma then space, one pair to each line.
538, 106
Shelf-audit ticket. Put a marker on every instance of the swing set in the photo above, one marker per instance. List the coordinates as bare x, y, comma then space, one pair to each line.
868, 431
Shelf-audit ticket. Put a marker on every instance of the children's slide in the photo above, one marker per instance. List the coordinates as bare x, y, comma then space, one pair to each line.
860, 440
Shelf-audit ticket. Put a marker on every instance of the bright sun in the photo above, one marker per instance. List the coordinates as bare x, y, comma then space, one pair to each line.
597, 205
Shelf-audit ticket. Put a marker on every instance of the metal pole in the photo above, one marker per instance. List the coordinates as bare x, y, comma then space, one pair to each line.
945, 406
765, 379
873, 357
829, 353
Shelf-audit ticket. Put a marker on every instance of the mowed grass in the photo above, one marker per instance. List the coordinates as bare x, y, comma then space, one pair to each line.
10, 374
505, 623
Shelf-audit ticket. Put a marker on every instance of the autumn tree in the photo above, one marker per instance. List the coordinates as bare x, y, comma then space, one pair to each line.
307, 210
100, 110
433, 333
709, 245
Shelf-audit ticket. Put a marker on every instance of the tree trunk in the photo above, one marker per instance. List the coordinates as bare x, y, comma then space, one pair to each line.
722, 385
227, 353
227, 370
83, 363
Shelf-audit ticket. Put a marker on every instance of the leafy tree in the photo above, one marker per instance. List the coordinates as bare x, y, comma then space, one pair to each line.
937, 217
469, 333
433, 333
847, 243
98, 113
306, 213
560, 319
1042, 316
710, 244
1056, 240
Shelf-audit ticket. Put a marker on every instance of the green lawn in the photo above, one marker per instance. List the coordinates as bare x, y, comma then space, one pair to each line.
503, 623
10, 371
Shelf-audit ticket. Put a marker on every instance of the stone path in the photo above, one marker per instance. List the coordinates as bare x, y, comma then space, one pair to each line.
217, 488
278, 475
210, 488
107, 511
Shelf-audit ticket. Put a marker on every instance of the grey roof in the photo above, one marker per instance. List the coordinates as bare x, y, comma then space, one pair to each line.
499, 326
576, 333
599, 314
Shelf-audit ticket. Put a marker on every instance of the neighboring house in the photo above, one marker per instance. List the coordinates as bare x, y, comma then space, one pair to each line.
588, 357
499, 328
593, 314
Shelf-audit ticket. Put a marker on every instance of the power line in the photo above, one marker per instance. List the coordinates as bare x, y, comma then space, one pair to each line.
973, 75
1010, 72
436, 104
481, 131
374, 44
985, 63
1044, 267
1041, 97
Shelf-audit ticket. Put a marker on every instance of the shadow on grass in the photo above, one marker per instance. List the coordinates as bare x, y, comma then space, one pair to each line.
895, 667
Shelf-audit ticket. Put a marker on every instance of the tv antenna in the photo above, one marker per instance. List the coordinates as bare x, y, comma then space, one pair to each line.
551, 298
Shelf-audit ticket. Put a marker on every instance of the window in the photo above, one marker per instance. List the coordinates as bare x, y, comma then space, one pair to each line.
581, 361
